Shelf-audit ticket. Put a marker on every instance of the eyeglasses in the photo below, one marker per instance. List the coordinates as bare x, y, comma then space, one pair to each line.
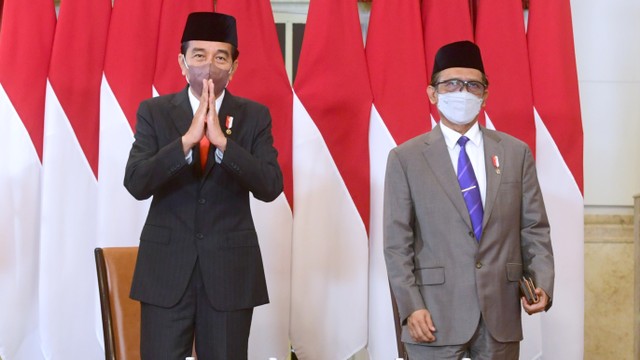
451, 85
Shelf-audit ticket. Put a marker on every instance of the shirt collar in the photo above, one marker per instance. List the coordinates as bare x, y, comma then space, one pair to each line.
451, 136
195, 102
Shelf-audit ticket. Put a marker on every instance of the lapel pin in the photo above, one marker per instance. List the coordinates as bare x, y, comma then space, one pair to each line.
496, 163
229, 124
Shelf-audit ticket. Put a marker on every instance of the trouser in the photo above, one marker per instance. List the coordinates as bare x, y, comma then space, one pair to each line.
168, 333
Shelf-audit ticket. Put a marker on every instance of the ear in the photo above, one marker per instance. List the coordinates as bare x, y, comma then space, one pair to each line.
234, 67
433, 95
484, 98
181, 63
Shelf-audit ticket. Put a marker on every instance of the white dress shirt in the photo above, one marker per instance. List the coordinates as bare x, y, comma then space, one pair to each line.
475, 151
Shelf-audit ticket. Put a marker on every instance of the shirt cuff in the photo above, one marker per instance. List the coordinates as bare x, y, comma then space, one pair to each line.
189, 157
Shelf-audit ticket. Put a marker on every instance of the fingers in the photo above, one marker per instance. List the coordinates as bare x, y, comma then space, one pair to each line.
537, 307
205, 91
211, 114
203, 106
421, 327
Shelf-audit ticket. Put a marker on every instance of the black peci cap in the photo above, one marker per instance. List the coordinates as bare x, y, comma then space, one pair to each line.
458, 54
210, 26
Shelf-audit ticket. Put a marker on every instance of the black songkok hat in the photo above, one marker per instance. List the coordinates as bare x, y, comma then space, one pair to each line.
210, 26
458, 54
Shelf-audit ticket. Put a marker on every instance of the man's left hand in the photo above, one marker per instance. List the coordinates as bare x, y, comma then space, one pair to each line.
214, 132
537, 307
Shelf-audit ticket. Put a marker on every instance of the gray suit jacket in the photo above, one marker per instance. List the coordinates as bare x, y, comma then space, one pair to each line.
433, 259
199, 214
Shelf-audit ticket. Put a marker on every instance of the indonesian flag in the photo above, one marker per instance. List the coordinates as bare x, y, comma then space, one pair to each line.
500, 34
167, 76
261, 77
559, 159
25, 50
68, 287
443, 22
400, 111
331, 114
129, 69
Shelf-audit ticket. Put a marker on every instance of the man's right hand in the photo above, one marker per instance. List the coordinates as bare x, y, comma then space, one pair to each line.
197, 129
421, 326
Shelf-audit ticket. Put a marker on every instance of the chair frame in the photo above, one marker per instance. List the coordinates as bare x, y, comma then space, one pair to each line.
105, 306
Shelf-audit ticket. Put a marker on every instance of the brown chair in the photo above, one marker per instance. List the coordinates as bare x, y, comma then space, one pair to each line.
120, 314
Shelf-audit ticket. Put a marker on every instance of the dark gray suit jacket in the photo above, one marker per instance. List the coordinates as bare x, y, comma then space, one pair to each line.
197, 214
433, 259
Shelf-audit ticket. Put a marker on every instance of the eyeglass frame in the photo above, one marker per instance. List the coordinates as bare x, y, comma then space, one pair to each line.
465, 85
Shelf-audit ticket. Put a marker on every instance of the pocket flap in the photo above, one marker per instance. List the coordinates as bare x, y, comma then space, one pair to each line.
514, 271
430, 276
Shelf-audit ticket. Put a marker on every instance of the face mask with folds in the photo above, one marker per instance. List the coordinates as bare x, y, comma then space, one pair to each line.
195, 75
459, 107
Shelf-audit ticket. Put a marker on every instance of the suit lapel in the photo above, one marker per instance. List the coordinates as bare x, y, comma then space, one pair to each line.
181, 112
491, 148
439, 161
181, 115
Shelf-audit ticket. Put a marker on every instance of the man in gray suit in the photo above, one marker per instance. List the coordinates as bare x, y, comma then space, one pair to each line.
199, 153
464, 220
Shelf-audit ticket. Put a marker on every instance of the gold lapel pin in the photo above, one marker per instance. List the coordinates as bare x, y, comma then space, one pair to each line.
496, 163
229, 124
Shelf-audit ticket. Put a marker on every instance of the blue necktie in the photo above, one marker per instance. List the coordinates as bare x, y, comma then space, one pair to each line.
470, 189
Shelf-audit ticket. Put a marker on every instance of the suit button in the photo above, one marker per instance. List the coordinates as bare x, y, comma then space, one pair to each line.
202, 201
471, 234
199, 236
478, 265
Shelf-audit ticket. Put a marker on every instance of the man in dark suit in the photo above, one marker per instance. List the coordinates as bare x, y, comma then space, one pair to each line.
464, 220
199, 153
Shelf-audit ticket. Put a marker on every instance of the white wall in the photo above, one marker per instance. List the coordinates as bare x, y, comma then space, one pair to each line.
607, 40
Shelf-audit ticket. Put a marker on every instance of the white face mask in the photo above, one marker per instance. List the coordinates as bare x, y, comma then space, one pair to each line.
459, 107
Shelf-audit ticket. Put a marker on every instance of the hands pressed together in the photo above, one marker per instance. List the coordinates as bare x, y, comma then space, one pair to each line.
205, 122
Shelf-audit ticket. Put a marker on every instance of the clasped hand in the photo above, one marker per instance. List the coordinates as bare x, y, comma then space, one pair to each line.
539, 306
205, 122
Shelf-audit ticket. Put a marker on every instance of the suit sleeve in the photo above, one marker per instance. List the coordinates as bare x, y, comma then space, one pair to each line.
149, 165
256, 168
537, 253
398, 222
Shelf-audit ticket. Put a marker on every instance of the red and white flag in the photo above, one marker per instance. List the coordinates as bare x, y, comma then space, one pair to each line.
129, 69
400, 112
500, 34
68, 289
332, 105
262, 77
559, 159
167, 76
26, 39
443, 22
